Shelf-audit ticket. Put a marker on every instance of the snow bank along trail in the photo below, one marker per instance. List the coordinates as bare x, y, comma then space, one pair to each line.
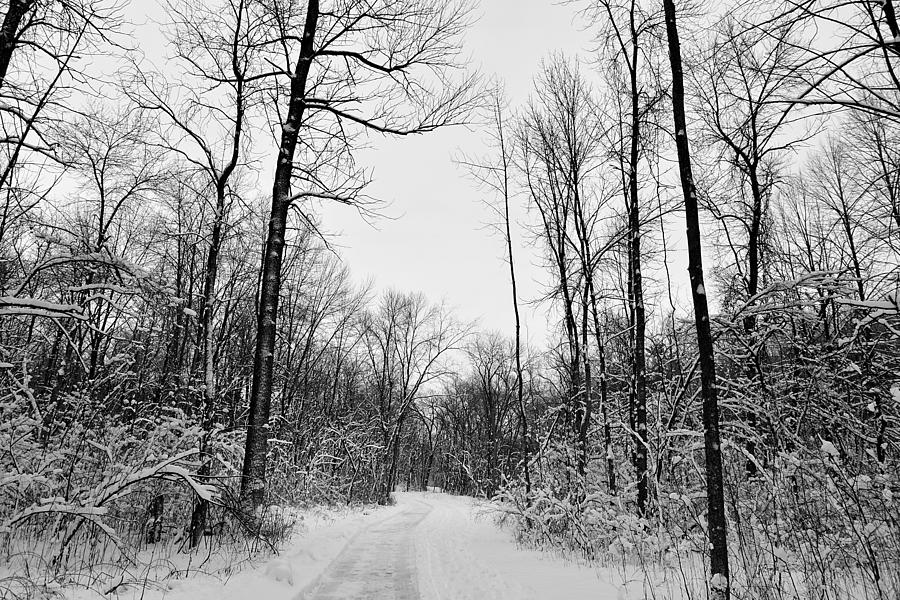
311, 552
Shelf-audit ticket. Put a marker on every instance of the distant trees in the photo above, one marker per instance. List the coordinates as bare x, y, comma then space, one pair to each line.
479, 421
406, 341
493, 382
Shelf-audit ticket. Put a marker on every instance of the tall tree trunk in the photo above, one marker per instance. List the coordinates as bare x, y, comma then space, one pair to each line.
753, 250
254, 468
9, 32
574, 343
604, 409
520, 393
637, 289
169, 358
207, 303
754, 375
587, 266
205, 347
574, 365
588, 387
580, 359
394, 461
718, 556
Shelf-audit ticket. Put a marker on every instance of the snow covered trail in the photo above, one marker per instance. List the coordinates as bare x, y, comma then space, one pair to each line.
441, 547
377, 563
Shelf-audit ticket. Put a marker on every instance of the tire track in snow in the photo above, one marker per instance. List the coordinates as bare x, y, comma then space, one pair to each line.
379, 563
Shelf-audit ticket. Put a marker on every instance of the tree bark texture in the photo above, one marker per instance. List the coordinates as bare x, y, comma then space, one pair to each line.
254, 468
9, 33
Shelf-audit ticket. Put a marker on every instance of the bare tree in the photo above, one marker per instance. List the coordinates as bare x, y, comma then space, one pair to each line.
208, 130
628, 41
495, 174
718, 553
357, 65
739, 82
552, 149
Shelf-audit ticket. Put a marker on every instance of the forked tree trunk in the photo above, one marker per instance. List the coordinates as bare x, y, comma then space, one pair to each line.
207, 304
205, 350
253, 478
718, 554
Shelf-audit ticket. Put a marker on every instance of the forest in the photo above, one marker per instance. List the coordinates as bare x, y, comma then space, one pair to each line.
186, 360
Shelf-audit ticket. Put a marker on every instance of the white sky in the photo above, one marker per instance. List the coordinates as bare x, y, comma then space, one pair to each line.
437, 243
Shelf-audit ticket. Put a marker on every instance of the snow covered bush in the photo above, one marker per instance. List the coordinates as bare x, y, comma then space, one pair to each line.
810, 454
85, 499
342, 467
808, 527
819, 528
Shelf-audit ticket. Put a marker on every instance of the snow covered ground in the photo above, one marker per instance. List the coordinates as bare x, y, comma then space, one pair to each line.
429, 546
461, 554
323, 535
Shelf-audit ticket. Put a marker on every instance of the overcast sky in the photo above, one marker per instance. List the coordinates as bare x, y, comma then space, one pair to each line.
436, 243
